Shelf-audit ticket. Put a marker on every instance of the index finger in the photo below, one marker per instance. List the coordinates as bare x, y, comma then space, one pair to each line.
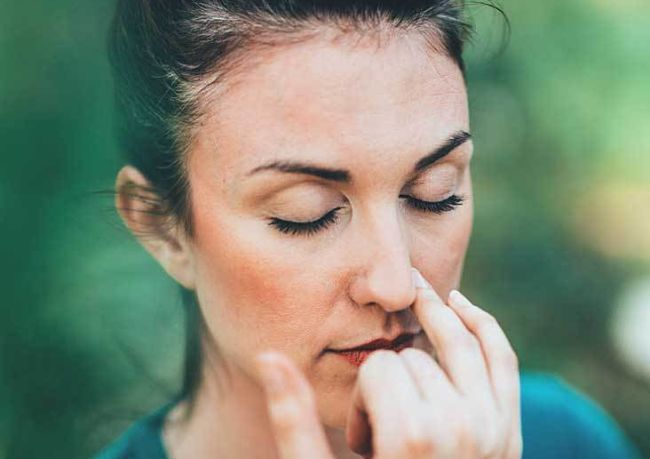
292, 411
459, 350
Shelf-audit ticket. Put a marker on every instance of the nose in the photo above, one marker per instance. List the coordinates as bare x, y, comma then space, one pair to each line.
384, 275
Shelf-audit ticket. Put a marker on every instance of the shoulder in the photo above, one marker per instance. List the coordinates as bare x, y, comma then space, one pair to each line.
141, 440
559, 421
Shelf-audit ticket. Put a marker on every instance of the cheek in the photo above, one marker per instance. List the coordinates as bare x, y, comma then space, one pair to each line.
249, 289
440, 252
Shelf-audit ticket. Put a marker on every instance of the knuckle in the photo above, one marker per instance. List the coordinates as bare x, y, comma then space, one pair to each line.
486, 323
490, 447
488, 437
471, 427
456, 437
416, 443
457, 426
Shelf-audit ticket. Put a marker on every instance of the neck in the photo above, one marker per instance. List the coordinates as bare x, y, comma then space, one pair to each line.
229, 420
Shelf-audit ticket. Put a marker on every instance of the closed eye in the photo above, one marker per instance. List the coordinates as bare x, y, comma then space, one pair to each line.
437, 207
305, 228
313, 227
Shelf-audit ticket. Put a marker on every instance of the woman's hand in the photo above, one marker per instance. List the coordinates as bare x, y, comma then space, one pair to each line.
407, 405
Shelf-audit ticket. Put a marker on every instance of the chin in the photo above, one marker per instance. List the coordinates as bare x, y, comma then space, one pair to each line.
333, 410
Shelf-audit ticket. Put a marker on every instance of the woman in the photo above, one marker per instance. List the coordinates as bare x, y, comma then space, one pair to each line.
302, 170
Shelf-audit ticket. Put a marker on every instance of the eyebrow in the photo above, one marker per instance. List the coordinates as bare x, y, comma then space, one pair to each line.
343, 176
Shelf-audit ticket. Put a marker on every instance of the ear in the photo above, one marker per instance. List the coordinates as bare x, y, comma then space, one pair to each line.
160, 234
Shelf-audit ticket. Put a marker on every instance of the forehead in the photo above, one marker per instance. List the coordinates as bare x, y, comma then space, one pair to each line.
334, 103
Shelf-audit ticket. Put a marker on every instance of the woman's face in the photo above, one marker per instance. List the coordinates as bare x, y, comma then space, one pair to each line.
331, 131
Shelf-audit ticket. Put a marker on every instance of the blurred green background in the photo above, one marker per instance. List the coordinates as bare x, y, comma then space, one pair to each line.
91, 330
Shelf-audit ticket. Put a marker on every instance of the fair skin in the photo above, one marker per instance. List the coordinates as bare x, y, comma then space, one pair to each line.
373, 111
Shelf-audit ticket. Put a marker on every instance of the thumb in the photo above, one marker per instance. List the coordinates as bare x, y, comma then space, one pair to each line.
292, 411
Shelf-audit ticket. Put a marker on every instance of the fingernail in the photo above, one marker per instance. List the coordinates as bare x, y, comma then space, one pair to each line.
271, 373
418, 280
459, 299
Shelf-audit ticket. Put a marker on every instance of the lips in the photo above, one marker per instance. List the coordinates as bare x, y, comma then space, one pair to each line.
357, 355
382, 343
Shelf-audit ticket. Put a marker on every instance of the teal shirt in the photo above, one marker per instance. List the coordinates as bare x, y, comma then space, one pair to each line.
558, 422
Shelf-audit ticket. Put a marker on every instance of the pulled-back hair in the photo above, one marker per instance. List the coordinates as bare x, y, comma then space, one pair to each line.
165, 54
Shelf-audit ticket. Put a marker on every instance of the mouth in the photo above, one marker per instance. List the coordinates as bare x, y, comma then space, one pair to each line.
357, 355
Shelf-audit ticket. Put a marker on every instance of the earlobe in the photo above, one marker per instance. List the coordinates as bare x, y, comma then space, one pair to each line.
146, 217
175, 256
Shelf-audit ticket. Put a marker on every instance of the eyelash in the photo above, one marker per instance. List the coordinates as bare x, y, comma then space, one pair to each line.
310, 228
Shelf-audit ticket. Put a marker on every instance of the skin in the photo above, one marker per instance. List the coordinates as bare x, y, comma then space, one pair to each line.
374, 111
